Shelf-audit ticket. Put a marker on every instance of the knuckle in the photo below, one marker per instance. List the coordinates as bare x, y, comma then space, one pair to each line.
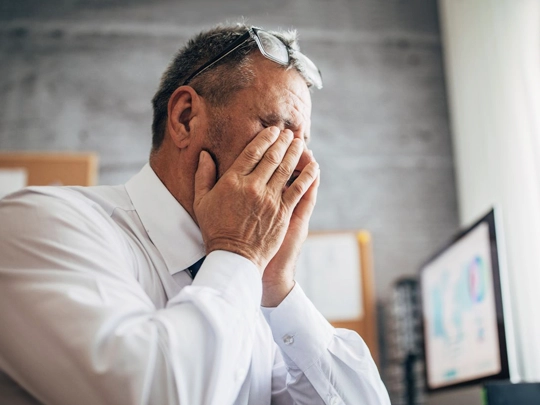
294, 151
252, 153
252, 190
229, 182
297, 145
297, 187
267, 137
287, 137
267, 200
273, 157
284, 169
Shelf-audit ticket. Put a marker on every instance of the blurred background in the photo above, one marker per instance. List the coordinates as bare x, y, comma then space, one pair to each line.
78, 76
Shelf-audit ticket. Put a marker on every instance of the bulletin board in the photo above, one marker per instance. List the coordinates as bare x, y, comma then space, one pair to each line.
349, 303
44, 169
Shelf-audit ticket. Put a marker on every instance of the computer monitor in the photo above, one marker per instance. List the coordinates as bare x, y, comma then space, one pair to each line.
464, 330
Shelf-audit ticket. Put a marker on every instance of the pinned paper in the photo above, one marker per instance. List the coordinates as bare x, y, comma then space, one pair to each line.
329, 272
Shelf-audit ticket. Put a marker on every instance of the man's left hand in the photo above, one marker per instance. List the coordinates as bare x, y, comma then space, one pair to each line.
278, 277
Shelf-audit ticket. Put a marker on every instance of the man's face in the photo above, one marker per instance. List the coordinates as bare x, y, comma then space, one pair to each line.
277, 97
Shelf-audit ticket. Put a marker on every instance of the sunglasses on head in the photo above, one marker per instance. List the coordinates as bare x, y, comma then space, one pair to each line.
272, 48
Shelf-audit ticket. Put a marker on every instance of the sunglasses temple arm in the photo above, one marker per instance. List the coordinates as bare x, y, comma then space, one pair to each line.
234, 46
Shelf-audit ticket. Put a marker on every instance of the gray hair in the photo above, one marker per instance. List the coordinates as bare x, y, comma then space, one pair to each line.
218, 83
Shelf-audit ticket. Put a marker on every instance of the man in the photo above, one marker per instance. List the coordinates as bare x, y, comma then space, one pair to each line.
151, 293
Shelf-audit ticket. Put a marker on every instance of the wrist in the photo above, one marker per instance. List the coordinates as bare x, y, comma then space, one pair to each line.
275, 292
238, 248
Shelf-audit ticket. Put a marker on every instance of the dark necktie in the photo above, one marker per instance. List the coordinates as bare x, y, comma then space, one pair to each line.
194, 268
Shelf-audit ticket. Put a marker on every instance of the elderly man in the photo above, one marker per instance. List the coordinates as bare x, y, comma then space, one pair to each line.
178, 287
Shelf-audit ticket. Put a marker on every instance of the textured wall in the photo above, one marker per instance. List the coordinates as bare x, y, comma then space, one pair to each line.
79, 75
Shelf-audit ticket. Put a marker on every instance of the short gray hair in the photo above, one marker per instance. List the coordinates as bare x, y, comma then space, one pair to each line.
218, 83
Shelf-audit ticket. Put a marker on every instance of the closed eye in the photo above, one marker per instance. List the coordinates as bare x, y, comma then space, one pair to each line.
276, 122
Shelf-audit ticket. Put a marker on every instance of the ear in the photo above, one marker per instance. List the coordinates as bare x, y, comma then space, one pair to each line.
184, 106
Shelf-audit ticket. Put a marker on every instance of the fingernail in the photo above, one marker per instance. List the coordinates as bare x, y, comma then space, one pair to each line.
275, 131
201, 156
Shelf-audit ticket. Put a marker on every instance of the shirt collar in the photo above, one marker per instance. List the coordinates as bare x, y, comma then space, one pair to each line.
168, 225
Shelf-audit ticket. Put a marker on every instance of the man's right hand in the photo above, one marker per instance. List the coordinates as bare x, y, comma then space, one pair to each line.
247, 210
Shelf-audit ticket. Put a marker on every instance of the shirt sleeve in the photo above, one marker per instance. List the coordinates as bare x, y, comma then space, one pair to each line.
316, 363
77, 328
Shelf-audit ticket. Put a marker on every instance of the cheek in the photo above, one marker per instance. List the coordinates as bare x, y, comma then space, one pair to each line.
232, 138
241, 137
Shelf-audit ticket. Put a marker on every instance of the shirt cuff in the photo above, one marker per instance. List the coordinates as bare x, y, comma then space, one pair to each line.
299, 329
233, 276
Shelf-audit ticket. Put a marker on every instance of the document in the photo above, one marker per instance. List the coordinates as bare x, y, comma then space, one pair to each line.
329, 272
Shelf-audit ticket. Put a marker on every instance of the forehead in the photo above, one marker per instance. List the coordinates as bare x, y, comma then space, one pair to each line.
280, 91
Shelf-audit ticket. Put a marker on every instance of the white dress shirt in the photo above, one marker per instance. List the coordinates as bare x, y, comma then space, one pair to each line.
96, 308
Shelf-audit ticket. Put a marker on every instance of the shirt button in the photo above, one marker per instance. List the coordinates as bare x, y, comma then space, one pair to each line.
288, 340
334, 401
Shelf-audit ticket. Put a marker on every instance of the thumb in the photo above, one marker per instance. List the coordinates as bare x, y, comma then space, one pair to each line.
205, 177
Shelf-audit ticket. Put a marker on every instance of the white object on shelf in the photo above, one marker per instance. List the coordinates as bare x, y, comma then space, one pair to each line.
12, 180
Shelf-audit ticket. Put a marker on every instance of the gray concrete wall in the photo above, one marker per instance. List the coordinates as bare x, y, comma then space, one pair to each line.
79, 75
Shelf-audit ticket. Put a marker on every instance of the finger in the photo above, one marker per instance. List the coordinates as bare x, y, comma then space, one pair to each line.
205, 176
301, 185
273, 157
285, 169
254, 151
305, 206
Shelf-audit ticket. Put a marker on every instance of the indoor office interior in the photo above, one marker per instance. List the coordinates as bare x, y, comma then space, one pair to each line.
426, 234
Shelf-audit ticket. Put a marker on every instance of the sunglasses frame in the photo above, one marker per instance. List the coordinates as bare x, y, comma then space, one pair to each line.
253, 33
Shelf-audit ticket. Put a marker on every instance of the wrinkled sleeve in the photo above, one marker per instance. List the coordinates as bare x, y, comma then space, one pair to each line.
77, 328
316, 363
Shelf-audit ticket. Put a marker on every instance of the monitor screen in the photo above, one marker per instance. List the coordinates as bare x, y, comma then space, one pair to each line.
462, 310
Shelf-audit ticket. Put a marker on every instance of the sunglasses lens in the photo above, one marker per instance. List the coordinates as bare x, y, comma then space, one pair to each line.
273, 48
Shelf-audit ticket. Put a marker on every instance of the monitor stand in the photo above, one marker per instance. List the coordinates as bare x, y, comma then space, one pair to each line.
472, 395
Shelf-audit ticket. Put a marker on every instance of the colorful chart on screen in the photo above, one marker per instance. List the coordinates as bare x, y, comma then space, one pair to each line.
462, 342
